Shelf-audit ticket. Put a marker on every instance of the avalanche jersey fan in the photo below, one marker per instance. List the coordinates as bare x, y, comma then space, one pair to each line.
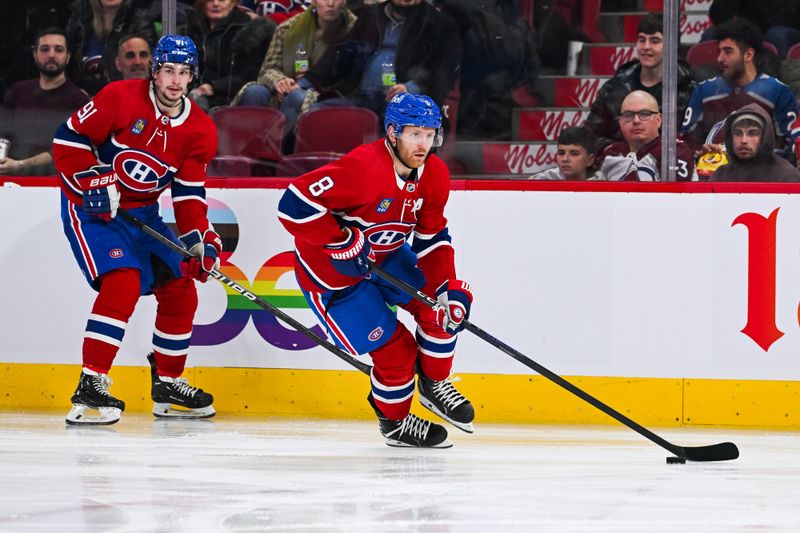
365, 207
131, 142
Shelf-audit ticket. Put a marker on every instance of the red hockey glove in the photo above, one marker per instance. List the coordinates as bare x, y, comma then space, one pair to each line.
205, 250
353, 256
455, 298
100, 192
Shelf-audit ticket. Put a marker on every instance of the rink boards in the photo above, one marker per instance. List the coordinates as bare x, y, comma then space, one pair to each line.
674, 308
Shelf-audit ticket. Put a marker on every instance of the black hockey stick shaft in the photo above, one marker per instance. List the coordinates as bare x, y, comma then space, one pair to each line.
228, 282
716, 452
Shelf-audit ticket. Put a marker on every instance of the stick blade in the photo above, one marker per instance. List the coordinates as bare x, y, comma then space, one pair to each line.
724, 451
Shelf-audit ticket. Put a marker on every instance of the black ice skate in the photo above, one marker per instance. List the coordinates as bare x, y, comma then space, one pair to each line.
92, 393
411, 432
442, 398
175, 398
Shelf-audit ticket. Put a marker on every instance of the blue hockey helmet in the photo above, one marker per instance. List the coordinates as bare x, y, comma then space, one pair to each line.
177, 49
406, 109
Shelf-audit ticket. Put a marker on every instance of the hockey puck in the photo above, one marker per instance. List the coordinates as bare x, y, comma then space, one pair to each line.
675, 460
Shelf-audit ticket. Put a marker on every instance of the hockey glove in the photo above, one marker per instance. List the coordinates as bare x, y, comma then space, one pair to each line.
454, 299
100, 192
205, 250
353, 256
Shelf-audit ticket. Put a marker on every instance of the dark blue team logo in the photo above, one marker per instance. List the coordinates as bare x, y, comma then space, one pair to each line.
138, 126
140, 171
388, 236
384, 205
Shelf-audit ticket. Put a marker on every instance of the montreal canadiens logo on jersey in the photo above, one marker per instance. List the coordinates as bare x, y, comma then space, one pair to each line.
140, 171
376, 334
116, 253
388, 236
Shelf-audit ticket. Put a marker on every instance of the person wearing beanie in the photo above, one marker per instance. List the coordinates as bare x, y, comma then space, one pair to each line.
750, 143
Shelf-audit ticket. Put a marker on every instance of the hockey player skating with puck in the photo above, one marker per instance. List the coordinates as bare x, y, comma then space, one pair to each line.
365, 207
124, 148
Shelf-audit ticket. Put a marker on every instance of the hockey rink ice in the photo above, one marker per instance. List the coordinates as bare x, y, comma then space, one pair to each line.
266, 474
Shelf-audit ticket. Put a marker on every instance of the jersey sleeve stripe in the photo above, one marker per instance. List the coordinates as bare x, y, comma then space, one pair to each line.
176, 198
298, 209
425, 244
187, 183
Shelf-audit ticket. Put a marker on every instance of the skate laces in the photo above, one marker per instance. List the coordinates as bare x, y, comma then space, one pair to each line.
415, 426
183, 387
101, 383
447, 393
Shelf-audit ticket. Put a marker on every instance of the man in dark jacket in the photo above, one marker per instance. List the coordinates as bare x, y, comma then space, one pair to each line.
750, 141
232, 46
394, 47
644, 74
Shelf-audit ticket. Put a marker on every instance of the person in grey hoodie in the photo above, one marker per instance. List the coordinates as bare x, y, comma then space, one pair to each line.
750, 144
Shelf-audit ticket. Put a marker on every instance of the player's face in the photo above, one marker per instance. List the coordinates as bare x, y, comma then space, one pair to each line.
133, 59
731, 60
172, 81
573, 160
328, 10
746, 140
650, 48
51, 55
216, 10
414, 143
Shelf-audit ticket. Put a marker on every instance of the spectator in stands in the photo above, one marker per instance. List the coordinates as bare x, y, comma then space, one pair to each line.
37, 107
94, 31
297, 43
575, 156
497, 75
395, 46
779, 20
557, 23
643, 74
232, 46
739, 84
750, 140
133, 58
638, 156
278, 10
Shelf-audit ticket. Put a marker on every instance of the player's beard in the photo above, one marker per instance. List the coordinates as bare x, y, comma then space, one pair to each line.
397, 154
163, 100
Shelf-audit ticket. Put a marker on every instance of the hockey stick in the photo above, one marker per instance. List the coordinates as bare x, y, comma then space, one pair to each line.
723, 451
225, 280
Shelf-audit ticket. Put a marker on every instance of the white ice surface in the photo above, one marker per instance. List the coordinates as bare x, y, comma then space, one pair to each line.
257, 474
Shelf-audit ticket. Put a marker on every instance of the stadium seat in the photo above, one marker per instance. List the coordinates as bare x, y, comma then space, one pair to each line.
323, 135
794, 52
250, 140
335, 129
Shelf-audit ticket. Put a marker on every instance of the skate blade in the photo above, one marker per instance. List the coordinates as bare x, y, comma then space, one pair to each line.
398, 444
106, 416
167, 410
463, 426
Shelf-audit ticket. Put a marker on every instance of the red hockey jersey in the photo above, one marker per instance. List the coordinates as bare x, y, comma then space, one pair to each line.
149, 151
363, 190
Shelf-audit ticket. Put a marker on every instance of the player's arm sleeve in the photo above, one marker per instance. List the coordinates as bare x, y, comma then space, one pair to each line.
75, 141
432, 242
306, 208
189, 184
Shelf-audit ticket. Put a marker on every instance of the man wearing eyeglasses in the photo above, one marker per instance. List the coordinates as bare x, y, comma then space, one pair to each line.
638, 156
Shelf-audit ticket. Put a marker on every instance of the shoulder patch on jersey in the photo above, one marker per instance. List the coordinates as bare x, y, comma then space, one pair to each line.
384, 205
138, 126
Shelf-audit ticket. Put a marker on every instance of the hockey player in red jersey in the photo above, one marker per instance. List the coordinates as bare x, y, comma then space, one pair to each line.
123, 149
365, 207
